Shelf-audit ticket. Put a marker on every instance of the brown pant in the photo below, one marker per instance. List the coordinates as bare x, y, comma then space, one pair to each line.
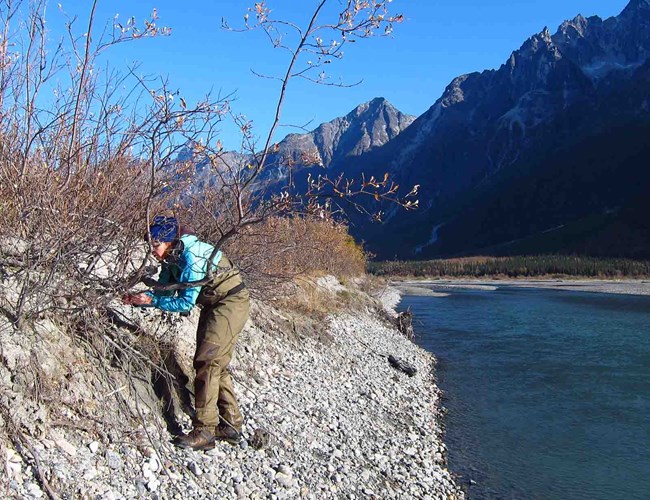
218, 330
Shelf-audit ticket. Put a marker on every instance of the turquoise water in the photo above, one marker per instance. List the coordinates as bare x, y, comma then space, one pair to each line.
548, 392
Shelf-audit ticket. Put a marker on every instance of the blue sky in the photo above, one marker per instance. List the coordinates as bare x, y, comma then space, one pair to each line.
437, 41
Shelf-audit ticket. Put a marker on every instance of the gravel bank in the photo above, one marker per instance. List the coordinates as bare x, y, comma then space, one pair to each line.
628, 287
340, 423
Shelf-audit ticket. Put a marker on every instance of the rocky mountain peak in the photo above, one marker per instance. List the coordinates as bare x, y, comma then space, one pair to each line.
604, 47
371, 108
454, 93
368, 126
576, 26
636, 15
373, 104
541, 42
636, 6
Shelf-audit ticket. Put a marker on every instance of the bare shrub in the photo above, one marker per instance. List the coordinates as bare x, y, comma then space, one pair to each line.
282, 249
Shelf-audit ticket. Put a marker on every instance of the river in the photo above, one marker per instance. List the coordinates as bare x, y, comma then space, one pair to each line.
547, 392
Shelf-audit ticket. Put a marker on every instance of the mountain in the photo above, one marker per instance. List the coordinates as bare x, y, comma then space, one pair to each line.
365, 128
547, 153
368, 126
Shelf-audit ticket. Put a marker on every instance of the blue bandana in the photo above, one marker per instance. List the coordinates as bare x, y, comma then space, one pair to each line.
164, 229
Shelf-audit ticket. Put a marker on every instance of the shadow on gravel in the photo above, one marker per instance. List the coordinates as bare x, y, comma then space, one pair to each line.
171, 389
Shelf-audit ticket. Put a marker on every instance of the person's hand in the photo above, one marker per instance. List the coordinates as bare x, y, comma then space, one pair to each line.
139, 299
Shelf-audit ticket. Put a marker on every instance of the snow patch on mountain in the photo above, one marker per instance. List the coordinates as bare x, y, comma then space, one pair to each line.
531, 110
598, 70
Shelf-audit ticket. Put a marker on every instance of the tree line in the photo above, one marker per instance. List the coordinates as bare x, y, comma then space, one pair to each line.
515, 267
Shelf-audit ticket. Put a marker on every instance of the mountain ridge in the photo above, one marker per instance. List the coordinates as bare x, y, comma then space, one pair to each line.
554, 87
368, 126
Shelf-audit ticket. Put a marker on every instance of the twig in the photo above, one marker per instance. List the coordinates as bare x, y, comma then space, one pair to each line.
113, 392
20, 441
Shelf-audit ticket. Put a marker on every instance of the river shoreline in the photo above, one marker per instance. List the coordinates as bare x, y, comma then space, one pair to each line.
442, 287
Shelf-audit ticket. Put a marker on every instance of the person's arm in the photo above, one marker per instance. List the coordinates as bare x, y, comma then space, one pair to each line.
185, 298
145, 299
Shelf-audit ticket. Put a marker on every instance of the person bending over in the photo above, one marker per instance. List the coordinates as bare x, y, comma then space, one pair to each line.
225, 305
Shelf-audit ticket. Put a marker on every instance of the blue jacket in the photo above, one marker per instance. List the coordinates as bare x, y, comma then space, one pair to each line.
189, 265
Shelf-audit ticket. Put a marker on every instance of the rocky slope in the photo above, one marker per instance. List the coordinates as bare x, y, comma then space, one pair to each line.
326, 415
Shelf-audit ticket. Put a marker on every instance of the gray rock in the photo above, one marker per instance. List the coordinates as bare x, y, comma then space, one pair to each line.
196, 470
66, 446
285, 469
153, 484
284, 480
141, 488
34, 491
211, 478
113, 460
90, 473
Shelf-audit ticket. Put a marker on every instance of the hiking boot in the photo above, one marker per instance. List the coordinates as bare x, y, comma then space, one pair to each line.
225, 432
200, 438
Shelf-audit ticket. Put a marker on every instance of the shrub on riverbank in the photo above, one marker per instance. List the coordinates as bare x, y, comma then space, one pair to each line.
282, 249
515, 267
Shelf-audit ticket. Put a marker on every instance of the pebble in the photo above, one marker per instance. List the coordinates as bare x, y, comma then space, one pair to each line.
152, 485
13, 465
211, 478
141, 488
285, 469
34, 491
66, 446
284, 480
113, 459
196, 470
108, 495
93, 446
152, 465
90, 473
